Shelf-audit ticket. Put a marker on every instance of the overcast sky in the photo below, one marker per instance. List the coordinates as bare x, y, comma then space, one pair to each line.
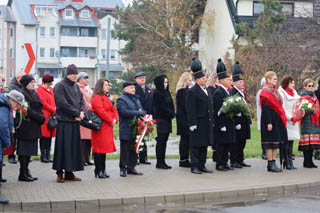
2, 2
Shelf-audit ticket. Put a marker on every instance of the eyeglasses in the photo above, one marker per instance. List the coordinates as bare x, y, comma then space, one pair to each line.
310, 86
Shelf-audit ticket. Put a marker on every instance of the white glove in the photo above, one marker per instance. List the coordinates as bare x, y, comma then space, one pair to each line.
238, 127
223, 129
239, 114
192, 128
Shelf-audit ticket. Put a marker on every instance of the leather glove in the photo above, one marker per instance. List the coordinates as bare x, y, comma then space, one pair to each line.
223, 129
238, 127
239, 114
192, 128
142, 112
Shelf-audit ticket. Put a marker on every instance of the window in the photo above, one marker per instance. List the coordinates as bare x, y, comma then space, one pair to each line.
38, 11
52, 31
113, 54
103, 34
69, 52
42, 31
11, 53
50, 10
51, 52
53, 72
68, 13
42, 50
287, 9
85, 14
69, 31
11, 32
87, 52
103, 53
257, 8
84, 32
88, 32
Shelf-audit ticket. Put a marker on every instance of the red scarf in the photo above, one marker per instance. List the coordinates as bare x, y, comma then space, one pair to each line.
272, 98
289, 91
315, 105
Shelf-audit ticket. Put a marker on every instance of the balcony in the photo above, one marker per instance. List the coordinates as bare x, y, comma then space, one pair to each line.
81, 62
77, 41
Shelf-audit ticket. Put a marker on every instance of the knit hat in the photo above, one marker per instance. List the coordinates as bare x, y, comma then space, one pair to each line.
196, 68
26, 79
237, 73
126, 84
16, 96
72, 70
221, 70
47, 78
82, 75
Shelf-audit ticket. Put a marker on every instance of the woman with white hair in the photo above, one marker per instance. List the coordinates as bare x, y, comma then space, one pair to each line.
262, 84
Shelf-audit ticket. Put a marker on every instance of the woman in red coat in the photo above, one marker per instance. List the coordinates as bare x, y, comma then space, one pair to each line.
45, 93
102, 141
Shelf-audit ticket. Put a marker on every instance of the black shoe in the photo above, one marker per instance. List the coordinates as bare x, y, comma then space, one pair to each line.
24, 177
133, 172
221, 168
85, 164
205, 170
196, 171
161, 166
168, 167
105, 173
12, 160
30, 176
235, 165
3, 200
2, 180
123, 173
44, 159
243, 164
48, 157
272, 167
90, 163
313, 165
99, 174
228, 167
144, 162
185, 164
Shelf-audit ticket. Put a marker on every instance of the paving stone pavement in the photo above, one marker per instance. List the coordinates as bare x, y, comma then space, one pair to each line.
174, 185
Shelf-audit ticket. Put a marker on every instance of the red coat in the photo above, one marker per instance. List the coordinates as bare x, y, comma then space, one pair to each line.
102, 140
48, 107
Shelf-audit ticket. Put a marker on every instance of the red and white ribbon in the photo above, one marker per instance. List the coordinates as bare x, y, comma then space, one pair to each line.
146, 119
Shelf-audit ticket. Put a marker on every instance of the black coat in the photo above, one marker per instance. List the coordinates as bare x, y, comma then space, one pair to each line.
222, 120
181, 115
68, 99
30, 128
128, 106
317, 92
245, 122
163, 106
145, 98
200, 113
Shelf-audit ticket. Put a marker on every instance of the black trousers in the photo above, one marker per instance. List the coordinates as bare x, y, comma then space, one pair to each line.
184, 147
128, 156
143, 154
222, 154
86, 150
161, 147
198, 157
307, 157
236, 152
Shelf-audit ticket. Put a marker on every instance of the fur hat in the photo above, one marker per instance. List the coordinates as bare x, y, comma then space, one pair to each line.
237, 73
221, 70
196, 68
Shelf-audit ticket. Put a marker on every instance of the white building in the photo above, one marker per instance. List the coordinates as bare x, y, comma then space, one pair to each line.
64, 32
215, 42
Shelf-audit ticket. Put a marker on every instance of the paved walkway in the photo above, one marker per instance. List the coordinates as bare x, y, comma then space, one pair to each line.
155, 186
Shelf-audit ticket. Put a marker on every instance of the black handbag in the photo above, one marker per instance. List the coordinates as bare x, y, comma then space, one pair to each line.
91, 120
52, 122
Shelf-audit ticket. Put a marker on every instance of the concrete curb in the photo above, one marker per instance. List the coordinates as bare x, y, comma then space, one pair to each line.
214, 197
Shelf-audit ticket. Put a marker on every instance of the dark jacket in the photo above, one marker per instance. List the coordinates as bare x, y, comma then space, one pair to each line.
222, 120
317, 93
162, 105
69, 100
245, 122
181, 115
6, 123
145, 98
15, 85
30, 128
128, 106
200, 113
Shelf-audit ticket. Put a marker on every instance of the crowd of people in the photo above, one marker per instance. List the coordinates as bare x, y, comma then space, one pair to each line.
27, 114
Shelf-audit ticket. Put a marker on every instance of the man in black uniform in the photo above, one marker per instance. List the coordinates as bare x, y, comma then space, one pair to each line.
199, 107
225, 128
242, 122
145, 96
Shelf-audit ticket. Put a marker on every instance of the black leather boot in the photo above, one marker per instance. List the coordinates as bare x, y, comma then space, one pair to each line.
98, 171
1, 179
272, 166
103, 165
48, 149
287, 163
43, 157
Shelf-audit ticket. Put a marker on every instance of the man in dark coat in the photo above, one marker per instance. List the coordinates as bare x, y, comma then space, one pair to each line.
15, 85
225, 129
200, 118
70, 110
145, 96
128, 107
242, 122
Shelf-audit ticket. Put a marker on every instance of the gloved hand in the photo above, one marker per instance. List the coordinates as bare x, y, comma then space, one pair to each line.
192, 128
238, 127
294, 119
223, 129
142, 112
239, 114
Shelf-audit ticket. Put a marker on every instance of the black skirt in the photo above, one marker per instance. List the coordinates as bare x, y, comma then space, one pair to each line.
27, 147
67, 150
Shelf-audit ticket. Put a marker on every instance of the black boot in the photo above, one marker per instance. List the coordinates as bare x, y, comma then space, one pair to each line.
28, 170
263, 154
98, 171
12, 159
317, 155
24, 169
1, 179
48, 150
43, 157
291, 150
272, 166
103, 165
287, 163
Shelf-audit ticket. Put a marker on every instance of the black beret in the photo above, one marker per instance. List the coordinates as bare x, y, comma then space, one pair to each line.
125, 84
